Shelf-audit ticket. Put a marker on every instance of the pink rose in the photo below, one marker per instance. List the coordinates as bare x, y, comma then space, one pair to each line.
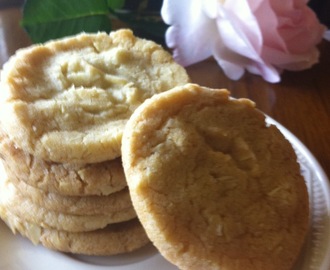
261, 36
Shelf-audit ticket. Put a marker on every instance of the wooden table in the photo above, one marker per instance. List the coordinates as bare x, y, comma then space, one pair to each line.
301, 101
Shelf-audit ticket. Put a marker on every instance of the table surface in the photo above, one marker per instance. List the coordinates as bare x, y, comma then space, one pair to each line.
300, 102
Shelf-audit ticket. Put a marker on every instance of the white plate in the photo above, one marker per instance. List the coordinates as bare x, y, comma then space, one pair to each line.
17, 253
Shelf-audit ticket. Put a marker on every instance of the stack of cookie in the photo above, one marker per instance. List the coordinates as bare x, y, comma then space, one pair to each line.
64, 105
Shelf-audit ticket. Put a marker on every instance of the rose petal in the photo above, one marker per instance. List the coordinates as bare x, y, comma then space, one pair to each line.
233, 64
235, 39
268, 23
291, 61
191, 33
268, 72
302, 31
327, 35
239, 14
231, 70
210, 8
171, 11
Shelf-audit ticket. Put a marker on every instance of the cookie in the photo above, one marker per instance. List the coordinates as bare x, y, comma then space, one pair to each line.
68, 100
21, 206
214, 186
71, 179
76, 205
114, 239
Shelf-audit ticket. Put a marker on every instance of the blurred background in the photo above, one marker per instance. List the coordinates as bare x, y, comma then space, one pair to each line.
321, 7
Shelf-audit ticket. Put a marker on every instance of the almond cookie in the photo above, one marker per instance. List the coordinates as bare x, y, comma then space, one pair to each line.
214, 186
114, 239
76, 205
21, 206
71, 179
68, 100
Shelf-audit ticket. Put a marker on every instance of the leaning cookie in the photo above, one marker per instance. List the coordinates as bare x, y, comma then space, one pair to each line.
214, 186
69, 179
68, 100
114, 239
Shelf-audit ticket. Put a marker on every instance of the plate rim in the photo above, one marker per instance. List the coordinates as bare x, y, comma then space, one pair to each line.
320, 174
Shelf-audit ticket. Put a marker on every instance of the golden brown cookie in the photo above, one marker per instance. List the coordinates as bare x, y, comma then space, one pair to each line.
76, 205
214, 186
113, 239
16, 203
72, 179
68, 100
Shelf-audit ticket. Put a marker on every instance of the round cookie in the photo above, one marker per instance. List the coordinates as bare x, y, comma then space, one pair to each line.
76, 205
213, 185
68, 100
113, 239
15, 203
72, 179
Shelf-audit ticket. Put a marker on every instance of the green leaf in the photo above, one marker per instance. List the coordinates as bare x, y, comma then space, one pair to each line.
146, 24
49, 19
115, 4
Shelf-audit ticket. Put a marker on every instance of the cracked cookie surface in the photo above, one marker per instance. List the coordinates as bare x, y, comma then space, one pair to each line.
22, 206
68, 100
67, 179
75, 205
113, 239
214, 186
